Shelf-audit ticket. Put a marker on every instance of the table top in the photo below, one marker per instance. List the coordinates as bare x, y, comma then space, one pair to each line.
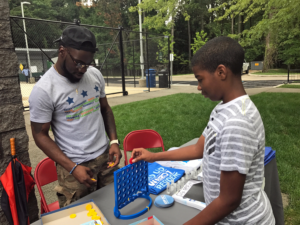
104, 198
178, 213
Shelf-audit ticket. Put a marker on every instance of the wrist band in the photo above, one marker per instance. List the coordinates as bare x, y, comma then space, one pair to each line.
73, 168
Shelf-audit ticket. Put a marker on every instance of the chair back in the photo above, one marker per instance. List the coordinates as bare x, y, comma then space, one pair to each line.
142, 139
45, 173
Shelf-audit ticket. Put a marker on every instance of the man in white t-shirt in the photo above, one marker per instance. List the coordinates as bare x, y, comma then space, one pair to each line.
71, 98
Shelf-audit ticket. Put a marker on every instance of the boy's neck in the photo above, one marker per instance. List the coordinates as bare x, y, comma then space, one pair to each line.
234, 90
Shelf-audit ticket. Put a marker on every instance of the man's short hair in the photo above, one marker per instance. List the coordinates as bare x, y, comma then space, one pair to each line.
220, 50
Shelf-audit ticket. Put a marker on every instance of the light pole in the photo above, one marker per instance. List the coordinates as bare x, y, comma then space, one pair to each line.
141, 41
24, 27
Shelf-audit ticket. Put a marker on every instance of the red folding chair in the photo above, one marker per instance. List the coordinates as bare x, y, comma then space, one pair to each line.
45, 173
142, 139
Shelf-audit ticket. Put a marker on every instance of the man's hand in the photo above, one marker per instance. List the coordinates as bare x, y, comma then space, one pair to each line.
84, 175
114, 151
139, 154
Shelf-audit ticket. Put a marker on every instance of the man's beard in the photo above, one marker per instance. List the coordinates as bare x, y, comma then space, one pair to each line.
68, 75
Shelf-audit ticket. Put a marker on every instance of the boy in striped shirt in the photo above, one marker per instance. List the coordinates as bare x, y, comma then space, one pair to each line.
232, 145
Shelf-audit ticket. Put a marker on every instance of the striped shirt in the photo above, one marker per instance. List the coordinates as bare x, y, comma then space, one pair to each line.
235, 141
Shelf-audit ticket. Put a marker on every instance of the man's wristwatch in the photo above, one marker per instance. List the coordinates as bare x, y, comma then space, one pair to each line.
115, 142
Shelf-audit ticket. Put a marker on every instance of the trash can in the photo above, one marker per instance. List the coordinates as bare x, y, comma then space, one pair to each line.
150, 78
163, 80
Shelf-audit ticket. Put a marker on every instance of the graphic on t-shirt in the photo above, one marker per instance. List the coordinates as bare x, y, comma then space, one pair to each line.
84, 93
70, 100
84, 108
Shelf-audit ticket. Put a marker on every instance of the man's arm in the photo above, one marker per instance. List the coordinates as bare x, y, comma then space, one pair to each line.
40, 132
186, 153
110, 128
231, 190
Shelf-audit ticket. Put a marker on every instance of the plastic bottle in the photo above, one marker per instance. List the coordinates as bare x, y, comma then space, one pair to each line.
183, 181
178, 185
195, 174
188, 176
173, 187
168, 188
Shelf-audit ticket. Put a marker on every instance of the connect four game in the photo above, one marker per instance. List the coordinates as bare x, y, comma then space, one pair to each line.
131, 182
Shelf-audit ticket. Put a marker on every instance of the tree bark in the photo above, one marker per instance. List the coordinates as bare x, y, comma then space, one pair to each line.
270, 54
232, 24
270, 51
240, 26
12, 123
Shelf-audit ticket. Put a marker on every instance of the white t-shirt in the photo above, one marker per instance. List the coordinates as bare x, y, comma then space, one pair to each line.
235, 141
76, 119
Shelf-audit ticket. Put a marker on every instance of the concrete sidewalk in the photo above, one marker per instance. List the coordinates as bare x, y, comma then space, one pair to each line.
36, 155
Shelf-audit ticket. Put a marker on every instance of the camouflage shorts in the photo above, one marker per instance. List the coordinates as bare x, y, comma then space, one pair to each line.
70, 190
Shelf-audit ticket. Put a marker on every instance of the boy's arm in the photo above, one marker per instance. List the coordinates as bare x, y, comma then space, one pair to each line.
231, 190
186, 153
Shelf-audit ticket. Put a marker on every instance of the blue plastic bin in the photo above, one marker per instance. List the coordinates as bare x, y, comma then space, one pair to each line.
150, 77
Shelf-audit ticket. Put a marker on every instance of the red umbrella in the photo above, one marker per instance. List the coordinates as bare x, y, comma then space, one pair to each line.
17, 183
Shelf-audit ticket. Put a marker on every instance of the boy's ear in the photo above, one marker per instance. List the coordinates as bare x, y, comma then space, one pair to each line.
221, 72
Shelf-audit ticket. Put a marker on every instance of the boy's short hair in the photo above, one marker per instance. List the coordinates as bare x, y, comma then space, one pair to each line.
220, 50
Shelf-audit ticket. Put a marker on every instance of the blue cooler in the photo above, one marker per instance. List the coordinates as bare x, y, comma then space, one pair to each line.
150, 78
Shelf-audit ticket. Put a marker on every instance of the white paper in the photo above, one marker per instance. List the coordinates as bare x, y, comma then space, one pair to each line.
183, 165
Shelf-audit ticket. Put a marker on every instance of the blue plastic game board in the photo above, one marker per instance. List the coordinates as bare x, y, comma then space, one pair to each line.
131, 182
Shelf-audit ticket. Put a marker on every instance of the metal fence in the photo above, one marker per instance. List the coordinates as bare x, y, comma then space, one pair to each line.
119, 56
293, 75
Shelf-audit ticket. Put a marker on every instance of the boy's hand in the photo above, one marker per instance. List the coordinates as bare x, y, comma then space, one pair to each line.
83, 175
139, 154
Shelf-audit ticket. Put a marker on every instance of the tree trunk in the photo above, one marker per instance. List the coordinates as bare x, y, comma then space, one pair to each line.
270, 52
240, 26
11, 113
211, 14
232, 24
189, 36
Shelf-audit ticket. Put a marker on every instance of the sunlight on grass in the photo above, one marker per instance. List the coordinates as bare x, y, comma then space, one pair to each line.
289, 86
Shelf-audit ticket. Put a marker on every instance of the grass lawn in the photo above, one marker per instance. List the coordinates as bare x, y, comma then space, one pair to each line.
273, 72
289, 86
182, 117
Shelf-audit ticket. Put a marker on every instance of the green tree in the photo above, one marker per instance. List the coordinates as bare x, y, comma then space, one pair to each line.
199, 41
278, 27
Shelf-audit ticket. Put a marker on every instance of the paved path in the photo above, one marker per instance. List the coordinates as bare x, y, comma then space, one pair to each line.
36, 155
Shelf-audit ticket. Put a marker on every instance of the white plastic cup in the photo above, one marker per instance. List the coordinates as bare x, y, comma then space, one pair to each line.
168, 188
178, 185
183, 181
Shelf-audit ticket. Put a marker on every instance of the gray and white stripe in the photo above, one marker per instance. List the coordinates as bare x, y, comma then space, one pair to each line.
235, 141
